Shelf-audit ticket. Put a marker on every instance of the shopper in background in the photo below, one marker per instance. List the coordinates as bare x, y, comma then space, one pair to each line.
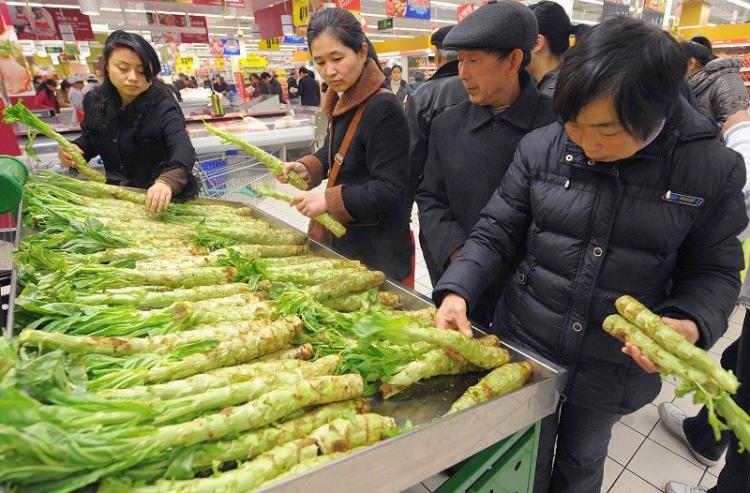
264, 86
398, 85
255, 84
134, 123
440, 92
180, 83
309, 90
586, 204
272, 83
37, 82
419, 79
62, 95
367, 183
219, 84
716, 82
472, 144
551, 43
75, 95
193, 82
91, 83
387, 73
46, 96
695, 431
292, 87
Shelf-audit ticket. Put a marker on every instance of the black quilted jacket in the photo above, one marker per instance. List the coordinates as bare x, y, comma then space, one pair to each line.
595, 231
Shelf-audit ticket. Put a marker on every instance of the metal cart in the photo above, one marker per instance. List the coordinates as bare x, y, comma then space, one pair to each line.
227, 176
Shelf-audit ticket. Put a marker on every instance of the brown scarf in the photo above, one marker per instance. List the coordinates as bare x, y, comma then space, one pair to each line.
369, 82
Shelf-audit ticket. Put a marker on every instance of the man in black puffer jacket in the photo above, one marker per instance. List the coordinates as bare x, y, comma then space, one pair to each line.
633, 195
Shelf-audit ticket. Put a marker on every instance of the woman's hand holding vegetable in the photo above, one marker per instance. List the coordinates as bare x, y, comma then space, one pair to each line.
66, 158
310, 204
298, 168
687, 328
452, 316
158, 197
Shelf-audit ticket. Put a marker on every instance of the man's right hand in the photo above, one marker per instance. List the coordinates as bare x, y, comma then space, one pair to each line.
452, 315
65, 158
298, 168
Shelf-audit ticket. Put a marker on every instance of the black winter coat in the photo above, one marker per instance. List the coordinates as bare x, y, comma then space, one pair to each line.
141, 141
595, 231
309, 91
470, 150
371, 189
442, 91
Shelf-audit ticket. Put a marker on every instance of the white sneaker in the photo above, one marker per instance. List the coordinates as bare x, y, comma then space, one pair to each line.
673, 417
675, 487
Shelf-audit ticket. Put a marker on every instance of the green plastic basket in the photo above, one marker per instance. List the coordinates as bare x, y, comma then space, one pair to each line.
13, 176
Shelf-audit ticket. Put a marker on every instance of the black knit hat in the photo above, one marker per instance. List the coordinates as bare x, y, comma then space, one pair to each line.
505, 25
439, 35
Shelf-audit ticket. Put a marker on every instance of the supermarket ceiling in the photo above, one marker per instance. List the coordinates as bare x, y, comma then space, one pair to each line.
222, 22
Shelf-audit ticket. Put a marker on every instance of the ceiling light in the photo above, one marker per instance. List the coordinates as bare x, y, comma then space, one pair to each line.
89, 7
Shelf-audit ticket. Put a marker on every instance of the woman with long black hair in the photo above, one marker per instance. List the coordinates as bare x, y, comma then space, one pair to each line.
46, 96
365, 156
134, 123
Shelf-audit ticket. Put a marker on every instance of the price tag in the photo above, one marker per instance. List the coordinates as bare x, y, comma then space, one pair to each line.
270, 44
301, 9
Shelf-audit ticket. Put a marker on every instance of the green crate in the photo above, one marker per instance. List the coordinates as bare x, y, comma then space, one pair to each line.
506, 467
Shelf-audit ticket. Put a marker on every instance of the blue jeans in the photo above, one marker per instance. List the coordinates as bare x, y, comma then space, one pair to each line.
582, 437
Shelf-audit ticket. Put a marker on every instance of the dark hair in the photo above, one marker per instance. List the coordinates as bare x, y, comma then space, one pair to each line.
343, 26
697, 51
38, 77
107, 101
47, 86
397, 66
502, 53
637, 65
702, 40
579, 30
265, 75
65, 84
554, 25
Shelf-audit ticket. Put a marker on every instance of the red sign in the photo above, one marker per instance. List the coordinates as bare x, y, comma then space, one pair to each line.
463, 10
42, 23
163, 28
269, 19
350, 5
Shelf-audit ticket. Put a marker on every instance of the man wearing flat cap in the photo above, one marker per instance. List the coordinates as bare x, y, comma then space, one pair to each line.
472, 144
440, 92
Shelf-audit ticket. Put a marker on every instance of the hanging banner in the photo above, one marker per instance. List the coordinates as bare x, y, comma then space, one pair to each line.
14, 70
300, 12
293, 40
170, 28
253, 61
269, 19
653, 12
463, 11
184, 64
412, 9
270, 44
46, 24
230, 46
613, 8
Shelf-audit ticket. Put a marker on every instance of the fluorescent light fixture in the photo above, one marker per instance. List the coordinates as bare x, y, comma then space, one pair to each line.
581, 21
100, 28
740, 3
52, 5
592, 2
89, 7
444, 4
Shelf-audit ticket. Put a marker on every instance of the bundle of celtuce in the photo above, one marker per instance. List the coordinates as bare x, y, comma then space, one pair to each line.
675, 356
198, 349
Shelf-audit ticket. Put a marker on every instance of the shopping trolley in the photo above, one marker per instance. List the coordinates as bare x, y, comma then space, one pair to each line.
229, 175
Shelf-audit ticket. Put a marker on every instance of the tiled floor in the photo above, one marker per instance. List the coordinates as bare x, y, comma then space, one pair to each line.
643, 456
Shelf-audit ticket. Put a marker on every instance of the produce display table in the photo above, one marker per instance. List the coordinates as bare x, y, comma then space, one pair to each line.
499, 437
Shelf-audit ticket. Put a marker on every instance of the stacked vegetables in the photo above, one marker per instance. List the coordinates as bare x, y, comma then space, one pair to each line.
675, 356
199, 349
